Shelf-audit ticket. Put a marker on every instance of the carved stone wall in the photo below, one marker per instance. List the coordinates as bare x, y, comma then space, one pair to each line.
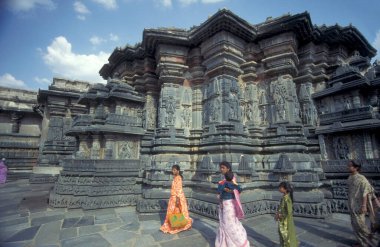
57, 105
280, 100
20, 131
349, 122
257, 96
104, 170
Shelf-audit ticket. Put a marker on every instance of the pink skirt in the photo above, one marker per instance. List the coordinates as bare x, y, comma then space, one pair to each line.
231, 232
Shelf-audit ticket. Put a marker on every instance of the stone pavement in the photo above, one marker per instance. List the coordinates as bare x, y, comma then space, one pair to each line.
27, 220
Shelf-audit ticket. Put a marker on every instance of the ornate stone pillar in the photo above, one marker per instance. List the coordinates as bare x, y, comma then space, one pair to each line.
171, 77
251, 93
118, 108
322, 146
356, 99
197, 72
95, 149
374, 97
92, 109
82, 152
110, 143
151, 85
151, 110
368, 148
197, 106
15, 119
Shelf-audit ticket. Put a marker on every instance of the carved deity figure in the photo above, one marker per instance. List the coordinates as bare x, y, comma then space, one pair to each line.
263, 98
217, 109
296, 108
125, 150
234, 107
346, 102
264, 115
186, 118
206, 113
151, 112
280, 107
170, 111
341, 149
249, 112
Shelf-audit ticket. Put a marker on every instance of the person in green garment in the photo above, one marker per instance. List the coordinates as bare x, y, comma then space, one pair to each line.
284, 216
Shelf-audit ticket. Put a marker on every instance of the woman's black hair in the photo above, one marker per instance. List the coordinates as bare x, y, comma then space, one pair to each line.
226, 164
229, 176
288, 187
356, 165
178, 169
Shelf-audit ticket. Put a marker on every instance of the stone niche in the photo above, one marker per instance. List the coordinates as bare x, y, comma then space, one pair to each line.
276, 100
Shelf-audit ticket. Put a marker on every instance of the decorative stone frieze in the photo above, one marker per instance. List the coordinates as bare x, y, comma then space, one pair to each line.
104, 172
282, 100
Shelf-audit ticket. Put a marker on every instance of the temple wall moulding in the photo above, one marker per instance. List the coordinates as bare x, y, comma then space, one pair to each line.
277, 101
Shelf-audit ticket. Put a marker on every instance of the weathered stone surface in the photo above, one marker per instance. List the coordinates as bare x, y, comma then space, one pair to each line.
46, 219
279, 102
118, 236
23, 235
58, 106
94, 240
48, 234
20, 131
68, 233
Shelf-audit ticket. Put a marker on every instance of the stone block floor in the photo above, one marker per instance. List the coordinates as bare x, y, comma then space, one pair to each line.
26, 220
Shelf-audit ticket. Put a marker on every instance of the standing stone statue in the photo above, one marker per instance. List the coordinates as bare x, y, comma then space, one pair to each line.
341, 149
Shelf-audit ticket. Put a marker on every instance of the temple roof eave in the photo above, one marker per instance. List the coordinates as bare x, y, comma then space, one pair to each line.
299, 23
224, 19
349, 36
43, 94
105, 129
340, 88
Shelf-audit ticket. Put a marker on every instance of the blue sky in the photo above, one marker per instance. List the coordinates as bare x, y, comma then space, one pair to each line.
42, 39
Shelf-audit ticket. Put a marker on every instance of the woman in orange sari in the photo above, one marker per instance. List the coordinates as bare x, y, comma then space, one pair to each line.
177, 204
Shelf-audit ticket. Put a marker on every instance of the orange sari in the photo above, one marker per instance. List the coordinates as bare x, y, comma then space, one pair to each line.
175, 192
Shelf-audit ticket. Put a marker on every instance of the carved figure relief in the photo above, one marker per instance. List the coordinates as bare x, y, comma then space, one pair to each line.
341, 148
162, 117
217, 110
264, 115
347, 102
249, 112
55, 134
263, 98
234, 107
95, 149
170, 111
186, 97
186, 117
206, 113
279, 99
296, 108
143, 118
128, 150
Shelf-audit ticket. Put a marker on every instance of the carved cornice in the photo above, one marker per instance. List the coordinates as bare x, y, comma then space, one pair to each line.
349, 36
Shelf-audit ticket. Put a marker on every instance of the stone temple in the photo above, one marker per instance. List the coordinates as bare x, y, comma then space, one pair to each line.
280, 100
